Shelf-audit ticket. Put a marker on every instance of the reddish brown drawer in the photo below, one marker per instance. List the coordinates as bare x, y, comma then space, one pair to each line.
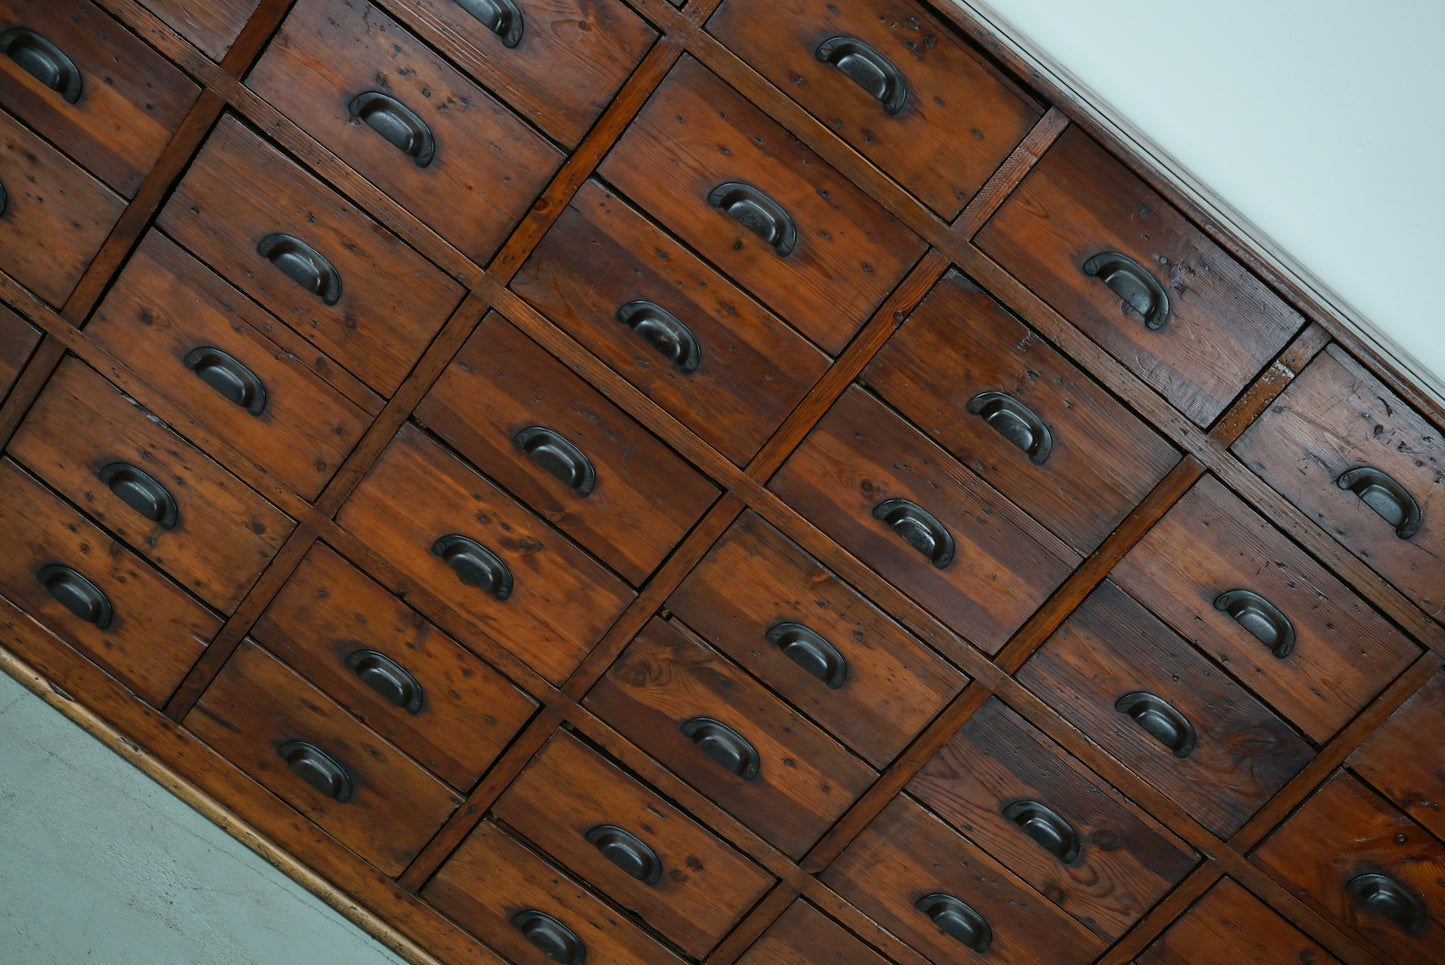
18, 339
91, 87
904, 507
726, 367
1231, 925
559, 445
319, 263
393, 670
1119, 261
1013, 410
812, 638
1052, 822
632, 845
1234, 586
1404, 759
148, 486
1364, 465
1154, 703
212, 25
805, 936
761, 207
893, 82
708, 722
483, 555
413, 125
1352, 857
937, 891
95, 594
317, 758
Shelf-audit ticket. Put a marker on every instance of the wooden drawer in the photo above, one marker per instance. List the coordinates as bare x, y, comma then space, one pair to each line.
410, 123
212, 25
726, 367
529, 911
804, 936
53, 215
717, 729
18, 339
1176, 309
761, 207
1230, 925
558, 444
1154, 703
890, 79
632, 845
210, 350
557, 62
294, 741
95, 594
815, 640
1234, 586
393, 670
1364, 465
937, 891
1353, 858
330, 272
72, 72
149, 487
510, 573
1019, 414
1051, 821
904, 507
1403, 759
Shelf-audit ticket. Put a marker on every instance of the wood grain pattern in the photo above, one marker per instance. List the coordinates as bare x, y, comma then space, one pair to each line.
18, 339
212, 25
805, 936
1403, 758
1230, 924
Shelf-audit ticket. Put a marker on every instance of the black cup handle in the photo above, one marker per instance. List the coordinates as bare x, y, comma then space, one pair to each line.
727, 747
957, 920
810, 650
77, 594
662, 330
627, 851
1046, 826
554, 939
1385, 496
501, 17
44, 61
318, 768
1016, 422
388, 678
1386, 896
554, 453
918, 528
397, 123
302, 264
141, 491
1133, 283
868, 69
1160, 720
4, 200
1260, 617
758, 213
474, 564
228, 376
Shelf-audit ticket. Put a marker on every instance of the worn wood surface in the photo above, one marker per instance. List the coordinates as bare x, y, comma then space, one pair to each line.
805, 936
1230, 924
1403, 759
18, 339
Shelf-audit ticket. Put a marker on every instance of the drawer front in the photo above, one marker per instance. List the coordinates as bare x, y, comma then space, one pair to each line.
510, 573
393, 670
892, 81
1364, 465
212, 25
1235, 587
1154, 703
18, 339
957, 546
1051, 822
706, 721
1231, 925
160, 495
761, 207
317, 758
53, 215
1403, 759
1177, 310
992, 393
330, 272
805, 936
95, 91
632, 845
414, 126
938, 892
94, 594
558, 444
726, 367
815, 640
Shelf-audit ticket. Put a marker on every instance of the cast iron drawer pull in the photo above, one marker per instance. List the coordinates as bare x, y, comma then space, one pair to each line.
140, 491
626, 850
758, 213
659, 328
809, 650
1132, 282
318, 768
1016, 422
1260, 617
548, 449
1159, 720
397, 123
474, 564
724, 745
867, 68
78, 594
224, 373
917, 527
4, 200
44, 61
1391, 898
501, 17
1385, 496
388, 678
302, 264
1044, 825
957, 920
